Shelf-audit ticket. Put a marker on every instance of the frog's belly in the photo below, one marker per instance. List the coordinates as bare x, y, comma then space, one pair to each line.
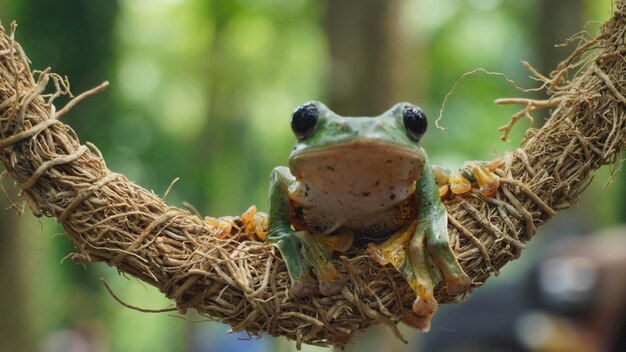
357, 186
368, 210
373, 226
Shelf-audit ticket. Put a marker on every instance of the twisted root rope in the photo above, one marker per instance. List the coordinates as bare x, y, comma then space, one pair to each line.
243, 282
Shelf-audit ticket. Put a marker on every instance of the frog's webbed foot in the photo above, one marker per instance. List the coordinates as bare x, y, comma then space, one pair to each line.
412, 264
317, 254
422, 267
488, 182
305, 254
458, 285
302, 283
331, 286
478, 173
320, 251
304, 286
457, 281
459, 184
422, 314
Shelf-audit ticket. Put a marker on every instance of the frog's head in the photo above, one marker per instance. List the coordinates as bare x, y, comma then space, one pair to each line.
383, 147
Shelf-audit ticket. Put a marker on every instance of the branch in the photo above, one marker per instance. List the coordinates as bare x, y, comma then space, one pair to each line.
244, 283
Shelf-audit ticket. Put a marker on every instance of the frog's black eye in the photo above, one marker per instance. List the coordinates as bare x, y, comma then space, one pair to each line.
303, 120
415, 122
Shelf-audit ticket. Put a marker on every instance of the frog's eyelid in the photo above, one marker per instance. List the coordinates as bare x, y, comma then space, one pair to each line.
322, 109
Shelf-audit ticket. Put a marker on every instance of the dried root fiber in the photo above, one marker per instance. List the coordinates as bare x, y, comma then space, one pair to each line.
244, 283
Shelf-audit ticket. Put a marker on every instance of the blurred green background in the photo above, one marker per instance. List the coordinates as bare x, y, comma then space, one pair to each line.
203, 90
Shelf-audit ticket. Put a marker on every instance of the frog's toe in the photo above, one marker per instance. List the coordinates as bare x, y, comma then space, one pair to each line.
423, 311
332, 286
458, 285
459, 184
341, 339
487, 181
304, 287
425, 307
416, 321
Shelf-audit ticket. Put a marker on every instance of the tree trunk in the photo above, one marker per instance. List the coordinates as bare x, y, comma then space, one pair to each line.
557, 20
364, 44
16, 333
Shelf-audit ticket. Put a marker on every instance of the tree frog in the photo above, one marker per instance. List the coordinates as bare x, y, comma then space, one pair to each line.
362, 181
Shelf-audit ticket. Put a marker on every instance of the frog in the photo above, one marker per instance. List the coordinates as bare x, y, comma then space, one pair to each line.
362, 181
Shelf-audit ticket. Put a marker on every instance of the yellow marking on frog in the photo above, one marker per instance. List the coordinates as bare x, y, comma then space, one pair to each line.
488, 183
251, 223
478, 172
492, 165
340, 242
443, 190
328, 275
442, 174
393, 250
458, 183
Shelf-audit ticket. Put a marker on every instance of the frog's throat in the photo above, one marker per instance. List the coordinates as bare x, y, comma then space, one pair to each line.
412, 154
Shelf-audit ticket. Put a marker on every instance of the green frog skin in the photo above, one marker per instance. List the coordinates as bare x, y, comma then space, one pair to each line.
362, 180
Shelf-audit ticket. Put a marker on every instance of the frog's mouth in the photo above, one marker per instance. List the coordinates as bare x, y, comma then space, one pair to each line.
358, 166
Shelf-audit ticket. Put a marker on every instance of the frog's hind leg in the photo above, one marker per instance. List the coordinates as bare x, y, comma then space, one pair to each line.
405, 251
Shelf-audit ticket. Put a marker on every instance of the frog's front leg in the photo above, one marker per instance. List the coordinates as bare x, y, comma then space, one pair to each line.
301, 251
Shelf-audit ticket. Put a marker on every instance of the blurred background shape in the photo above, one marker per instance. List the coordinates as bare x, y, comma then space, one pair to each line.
203, 90
570, 298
